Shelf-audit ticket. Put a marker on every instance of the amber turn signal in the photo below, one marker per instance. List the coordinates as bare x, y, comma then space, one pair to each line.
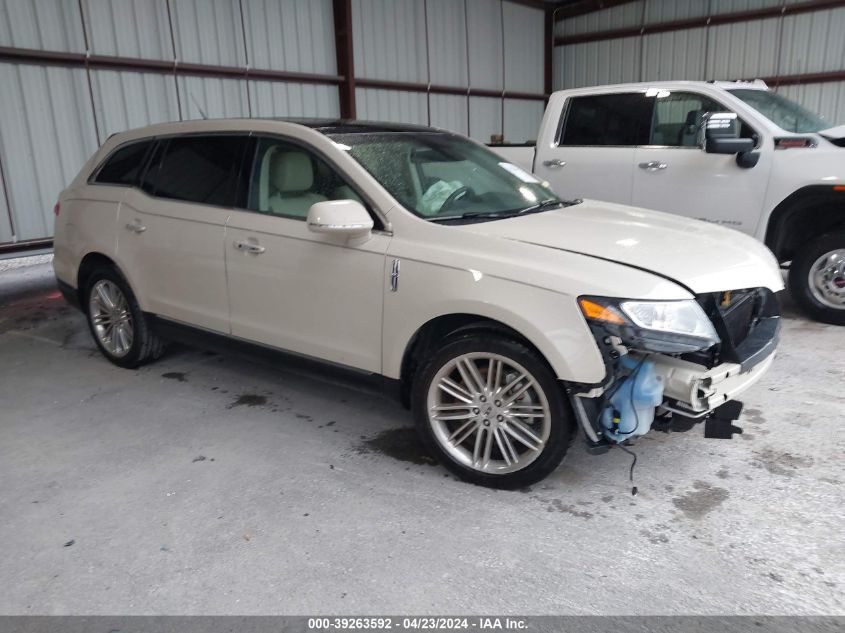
598, 312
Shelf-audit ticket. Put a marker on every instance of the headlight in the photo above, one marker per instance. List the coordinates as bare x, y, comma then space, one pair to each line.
657, 326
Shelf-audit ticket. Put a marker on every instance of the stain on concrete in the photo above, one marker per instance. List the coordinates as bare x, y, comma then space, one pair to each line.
560, 506
198, 458
654, 537
697, 503
178, 376
780, 463
248, 400
607, 498
753, 416
724, 473
403, 444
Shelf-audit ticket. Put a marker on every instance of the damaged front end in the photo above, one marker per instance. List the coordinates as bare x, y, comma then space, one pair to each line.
676, 362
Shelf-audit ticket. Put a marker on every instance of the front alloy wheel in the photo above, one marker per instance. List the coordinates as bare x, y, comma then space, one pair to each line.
492, 411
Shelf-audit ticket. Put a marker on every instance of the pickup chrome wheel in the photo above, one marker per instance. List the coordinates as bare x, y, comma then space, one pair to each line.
492, 411
827, 279
118, 325
817, 278
111, 318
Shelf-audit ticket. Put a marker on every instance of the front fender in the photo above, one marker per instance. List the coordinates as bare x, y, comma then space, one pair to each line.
549, 320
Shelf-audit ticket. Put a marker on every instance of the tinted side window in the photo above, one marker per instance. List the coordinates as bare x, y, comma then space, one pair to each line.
198, 169
124, 165
619, 119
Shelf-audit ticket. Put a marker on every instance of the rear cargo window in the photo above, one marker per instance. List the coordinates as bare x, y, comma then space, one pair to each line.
198, 169
609, 120
124, 165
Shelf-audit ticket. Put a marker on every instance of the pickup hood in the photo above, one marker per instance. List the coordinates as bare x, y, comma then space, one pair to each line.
836, 133
700, 256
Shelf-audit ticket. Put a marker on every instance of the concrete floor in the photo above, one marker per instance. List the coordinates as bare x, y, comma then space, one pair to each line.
210, 484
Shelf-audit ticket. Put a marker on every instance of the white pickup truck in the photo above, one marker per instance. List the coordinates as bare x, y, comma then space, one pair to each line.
733, 153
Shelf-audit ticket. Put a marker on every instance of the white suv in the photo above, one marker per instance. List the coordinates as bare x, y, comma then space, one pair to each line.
777, 174
504, 316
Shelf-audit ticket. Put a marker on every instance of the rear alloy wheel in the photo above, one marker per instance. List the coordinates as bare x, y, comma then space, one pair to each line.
492, 411
817, 278
117, 323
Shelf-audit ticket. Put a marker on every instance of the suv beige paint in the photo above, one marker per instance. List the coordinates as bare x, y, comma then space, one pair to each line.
385, 300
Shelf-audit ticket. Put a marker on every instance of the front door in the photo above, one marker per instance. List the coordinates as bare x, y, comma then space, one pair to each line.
593, 154
673, 174
290, 288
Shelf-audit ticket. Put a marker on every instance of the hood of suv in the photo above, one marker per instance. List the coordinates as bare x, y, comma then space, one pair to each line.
701, 256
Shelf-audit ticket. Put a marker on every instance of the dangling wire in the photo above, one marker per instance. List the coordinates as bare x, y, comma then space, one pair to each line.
631, 473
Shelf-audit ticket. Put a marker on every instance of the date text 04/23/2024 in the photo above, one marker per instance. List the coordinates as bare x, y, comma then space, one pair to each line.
426, 623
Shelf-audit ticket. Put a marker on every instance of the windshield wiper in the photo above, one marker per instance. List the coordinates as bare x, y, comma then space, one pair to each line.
545, 205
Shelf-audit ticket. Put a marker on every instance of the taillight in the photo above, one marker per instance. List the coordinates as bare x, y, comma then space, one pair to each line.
57, 208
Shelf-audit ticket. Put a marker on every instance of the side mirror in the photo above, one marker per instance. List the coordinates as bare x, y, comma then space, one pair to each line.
721, 136
339, 217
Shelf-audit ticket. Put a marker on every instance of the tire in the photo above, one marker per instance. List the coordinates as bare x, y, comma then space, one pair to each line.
817, 278
117, 323
499, 459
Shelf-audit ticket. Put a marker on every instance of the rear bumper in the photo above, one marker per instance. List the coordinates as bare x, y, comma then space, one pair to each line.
696, 390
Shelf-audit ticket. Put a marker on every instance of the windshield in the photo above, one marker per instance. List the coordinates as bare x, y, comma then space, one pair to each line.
784, 113
439, 176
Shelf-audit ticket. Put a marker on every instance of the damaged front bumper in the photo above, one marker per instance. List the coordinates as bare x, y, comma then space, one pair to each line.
694, 391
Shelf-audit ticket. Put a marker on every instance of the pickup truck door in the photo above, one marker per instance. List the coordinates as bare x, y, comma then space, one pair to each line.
592, 154
673, 174
290, 288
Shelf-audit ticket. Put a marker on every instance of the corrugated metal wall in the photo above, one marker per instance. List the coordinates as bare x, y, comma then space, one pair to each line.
52, 117
482, 44
802, 43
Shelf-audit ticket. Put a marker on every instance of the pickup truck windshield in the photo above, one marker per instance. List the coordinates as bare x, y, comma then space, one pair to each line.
439, 176
784, 113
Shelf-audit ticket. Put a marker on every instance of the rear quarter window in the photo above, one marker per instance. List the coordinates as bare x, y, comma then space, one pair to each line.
124, 165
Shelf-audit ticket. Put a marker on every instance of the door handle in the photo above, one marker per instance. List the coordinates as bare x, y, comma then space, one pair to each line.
554, 163
249, 247
653, 165
136, 226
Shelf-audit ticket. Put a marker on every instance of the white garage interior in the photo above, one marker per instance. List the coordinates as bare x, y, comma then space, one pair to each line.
76, 71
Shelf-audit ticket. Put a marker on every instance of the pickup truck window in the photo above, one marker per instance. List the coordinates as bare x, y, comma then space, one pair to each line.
784, 113
678, 116
440, 176
609, 120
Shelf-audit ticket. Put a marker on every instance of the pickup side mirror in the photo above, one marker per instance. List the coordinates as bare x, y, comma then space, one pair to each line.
340, 217
721, 136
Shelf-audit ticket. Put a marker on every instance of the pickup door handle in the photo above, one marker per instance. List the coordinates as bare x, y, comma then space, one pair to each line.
554, 163
136, 227
653, 165
249, 247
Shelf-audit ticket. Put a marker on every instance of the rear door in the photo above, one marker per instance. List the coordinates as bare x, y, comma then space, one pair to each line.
171, 230
675, 175
592, 155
